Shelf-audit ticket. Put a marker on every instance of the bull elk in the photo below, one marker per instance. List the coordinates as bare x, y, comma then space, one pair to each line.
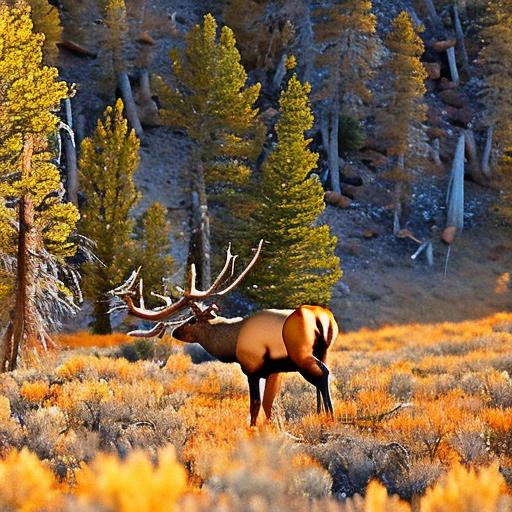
265, 344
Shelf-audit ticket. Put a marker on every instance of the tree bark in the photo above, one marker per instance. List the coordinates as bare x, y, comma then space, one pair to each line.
101, 323
460, 38
452, 62
436, 21
334, 161
486, 157
125, 89
70, 152
455, 197
473, 170
6, 355
203, 223
24, 328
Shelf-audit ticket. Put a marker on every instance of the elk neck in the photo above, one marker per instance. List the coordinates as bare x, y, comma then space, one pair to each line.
219, 337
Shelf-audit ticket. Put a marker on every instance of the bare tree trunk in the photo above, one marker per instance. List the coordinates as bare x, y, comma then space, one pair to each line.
397, 214
474, 170
307, 43
70, 152
200, 207
6, 354
432, 14
436, 156
455, 198
24, 329
148, 111
125, 88
452, 62
460, 38
334, 160
486, 157
280, 73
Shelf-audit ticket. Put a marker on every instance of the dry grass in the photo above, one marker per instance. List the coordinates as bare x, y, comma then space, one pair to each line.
91, 427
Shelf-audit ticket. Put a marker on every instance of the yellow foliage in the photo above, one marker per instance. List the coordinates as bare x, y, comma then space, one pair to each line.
5, 408
85, 339
35, 391
466, 490
133, 485
26, 485
378, 500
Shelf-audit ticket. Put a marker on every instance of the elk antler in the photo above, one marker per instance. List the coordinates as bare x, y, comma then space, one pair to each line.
127, 291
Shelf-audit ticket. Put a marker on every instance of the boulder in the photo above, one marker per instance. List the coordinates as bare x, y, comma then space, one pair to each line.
452, 98
373, 158
145, 38
445, 84
436, 133
459, 116
337, 200
449, 234
368, 234
433, 70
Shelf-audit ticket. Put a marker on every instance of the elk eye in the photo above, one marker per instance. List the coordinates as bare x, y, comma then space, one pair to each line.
192, 321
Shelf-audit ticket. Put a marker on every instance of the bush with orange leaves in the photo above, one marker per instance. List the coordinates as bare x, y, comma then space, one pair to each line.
452, 383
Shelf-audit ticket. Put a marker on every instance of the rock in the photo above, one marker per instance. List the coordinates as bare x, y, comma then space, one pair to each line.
368, 234
433, 70
337, 200
436, 133
445, 84
434, 116
373, 159
452, 98
376, 144
350, 191
145, 38
442, 46
448, 235
459, 116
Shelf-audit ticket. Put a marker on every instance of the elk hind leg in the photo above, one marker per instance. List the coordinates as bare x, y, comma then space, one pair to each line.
272, 387
317, 373
254, 397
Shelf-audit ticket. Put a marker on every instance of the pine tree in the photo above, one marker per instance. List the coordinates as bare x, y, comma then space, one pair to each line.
213, 104
108, 162
114, 14
47, 21
153, 250
347, 30
35, 224
496, 58
404, 109
298, 265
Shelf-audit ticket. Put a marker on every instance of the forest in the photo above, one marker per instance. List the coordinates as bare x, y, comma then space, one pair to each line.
255, 255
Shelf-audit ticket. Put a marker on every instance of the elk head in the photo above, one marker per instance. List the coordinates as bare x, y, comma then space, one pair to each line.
190, 297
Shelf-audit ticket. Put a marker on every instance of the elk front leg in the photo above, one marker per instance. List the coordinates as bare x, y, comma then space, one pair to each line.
254, 397
272, 387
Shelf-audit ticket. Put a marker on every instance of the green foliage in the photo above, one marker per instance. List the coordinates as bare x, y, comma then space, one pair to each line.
108, 162
29, 96
153, 248
404, 107
298, 265
347, 28
350, 137
212, 103
46, 20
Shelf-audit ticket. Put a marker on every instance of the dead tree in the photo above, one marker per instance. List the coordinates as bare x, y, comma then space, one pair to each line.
455, 195
125, 89
70, 152
457, 25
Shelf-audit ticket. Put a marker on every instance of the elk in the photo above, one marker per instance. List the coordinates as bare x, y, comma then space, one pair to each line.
265, 344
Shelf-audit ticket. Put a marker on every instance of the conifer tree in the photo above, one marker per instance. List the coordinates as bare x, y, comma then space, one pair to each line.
108, 162
153, 250
496, 58
347, 30
35, 224
46, 20
404, 108
212, 102
114, 14
298, 265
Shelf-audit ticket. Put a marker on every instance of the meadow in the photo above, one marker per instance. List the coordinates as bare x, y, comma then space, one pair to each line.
423, 422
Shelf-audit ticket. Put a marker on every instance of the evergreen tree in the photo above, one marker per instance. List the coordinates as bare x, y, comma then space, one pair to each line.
47, 21
153, 250
347, 30
404, 108
213, 104
35, 224
108, 162
298, 265
114, 14
496, 58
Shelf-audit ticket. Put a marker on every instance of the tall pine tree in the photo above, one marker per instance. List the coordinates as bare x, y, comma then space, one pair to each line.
346, 29
404, 108
212, 102
298, 265
108, 162
35, 224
